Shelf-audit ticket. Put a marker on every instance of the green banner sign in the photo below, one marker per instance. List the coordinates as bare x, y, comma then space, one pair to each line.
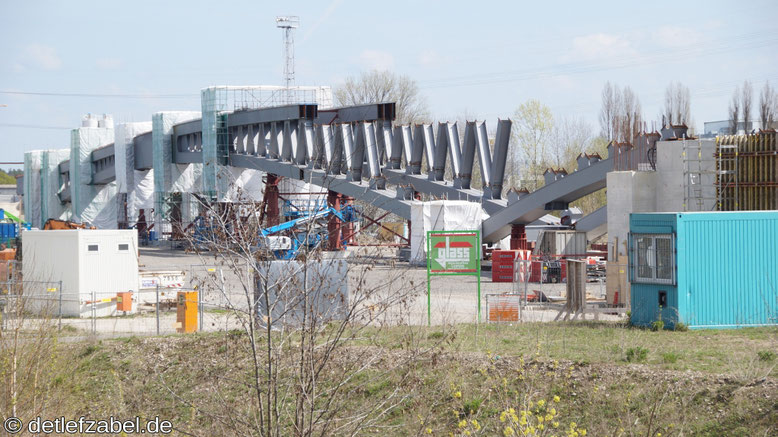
453, 253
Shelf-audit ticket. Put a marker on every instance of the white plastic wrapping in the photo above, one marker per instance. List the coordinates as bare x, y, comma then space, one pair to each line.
51, 206
32, 187
169, 177
94, 204
441, 215
301, 196
124, 153
245, 185
138, 184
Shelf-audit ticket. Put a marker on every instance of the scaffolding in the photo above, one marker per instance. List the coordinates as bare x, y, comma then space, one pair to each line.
727, 179
699, 176
749, 172
217, 101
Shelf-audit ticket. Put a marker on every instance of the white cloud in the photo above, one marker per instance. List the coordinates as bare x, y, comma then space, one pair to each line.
601, 46
43, 56
109, 63
376, 60
673, 36
431, 58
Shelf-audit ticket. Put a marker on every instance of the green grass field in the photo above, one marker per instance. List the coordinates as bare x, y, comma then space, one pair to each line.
605, 378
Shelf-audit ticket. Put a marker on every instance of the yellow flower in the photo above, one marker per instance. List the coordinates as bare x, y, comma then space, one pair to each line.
541, 426
462, 423
429, 430
503, 416
555, 424
457, 394
541, 403
508, 431
583, 432
467, 432
556, 399
540, 418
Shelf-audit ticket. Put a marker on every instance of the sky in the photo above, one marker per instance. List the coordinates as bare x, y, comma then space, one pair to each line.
480, 59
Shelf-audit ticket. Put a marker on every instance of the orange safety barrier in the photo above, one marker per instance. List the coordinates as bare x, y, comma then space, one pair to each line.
186, 312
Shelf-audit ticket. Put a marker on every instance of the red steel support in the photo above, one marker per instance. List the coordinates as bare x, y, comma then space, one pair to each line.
334, 223
271, 200
349, 232
518, 238
416, 196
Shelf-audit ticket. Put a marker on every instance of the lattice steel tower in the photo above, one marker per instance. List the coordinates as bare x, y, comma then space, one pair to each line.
288, 24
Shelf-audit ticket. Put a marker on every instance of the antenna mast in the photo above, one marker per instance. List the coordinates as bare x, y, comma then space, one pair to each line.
288, 24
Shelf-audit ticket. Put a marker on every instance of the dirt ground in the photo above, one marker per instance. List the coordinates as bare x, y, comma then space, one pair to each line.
453, 299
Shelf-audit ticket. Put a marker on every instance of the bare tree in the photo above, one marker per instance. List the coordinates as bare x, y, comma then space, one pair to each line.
677, 104
607, 111
768, 105
631, 116
533, 124
621, 114
747, 97
734, 111
300, 329
385, 86
570, 137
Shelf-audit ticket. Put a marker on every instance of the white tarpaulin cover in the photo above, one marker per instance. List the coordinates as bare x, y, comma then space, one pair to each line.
169, 177
441, 215
245, 185
95, 204
32, 187
138, 184
296, 192
51, 206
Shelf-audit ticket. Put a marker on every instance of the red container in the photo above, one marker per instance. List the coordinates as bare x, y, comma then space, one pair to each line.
500, 255
502, 278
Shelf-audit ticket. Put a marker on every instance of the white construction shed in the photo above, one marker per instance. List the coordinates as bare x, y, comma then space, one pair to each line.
92, 265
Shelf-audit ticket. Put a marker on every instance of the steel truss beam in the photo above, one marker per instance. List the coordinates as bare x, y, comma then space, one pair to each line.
532, 206
595, 224
356, 151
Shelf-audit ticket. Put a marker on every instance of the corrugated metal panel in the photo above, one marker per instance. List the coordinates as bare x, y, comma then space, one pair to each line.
563, 243
727, 269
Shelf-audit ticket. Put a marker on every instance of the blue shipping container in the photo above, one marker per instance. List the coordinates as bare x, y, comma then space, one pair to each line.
705, 269
8, 232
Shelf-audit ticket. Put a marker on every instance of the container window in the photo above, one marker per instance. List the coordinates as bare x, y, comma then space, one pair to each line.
654, 258
92, 248
124, 247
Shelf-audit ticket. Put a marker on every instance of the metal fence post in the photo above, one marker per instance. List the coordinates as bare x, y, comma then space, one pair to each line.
157, 307
94, 313
200, 309
59, 323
